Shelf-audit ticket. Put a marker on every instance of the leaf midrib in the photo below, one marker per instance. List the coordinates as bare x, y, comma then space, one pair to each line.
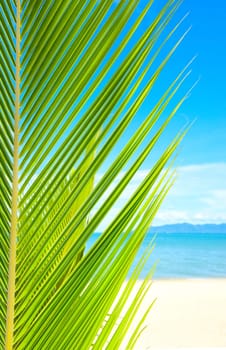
14, 218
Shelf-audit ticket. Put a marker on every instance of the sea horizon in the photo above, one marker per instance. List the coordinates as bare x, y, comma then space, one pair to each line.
182, 255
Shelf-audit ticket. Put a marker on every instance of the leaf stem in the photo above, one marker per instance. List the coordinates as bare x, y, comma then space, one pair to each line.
14, 218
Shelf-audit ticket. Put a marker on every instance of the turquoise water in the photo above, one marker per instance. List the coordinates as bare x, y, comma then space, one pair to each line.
183, 255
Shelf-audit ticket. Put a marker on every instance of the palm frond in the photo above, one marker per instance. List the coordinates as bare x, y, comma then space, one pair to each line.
74, 78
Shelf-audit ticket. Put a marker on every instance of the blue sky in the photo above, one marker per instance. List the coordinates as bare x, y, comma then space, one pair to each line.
206, 141
199, 195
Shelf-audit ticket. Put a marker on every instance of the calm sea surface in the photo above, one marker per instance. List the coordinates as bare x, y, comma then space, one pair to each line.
183, 255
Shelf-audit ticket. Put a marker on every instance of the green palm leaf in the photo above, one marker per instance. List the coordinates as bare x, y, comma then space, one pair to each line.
72, 83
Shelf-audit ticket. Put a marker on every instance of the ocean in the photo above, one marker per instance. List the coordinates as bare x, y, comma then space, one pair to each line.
184, 255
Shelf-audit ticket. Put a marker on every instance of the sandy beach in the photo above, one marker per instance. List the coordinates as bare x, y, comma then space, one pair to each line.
188, 313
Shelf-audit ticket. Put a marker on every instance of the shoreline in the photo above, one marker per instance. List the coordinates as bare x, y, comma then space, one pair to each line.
188, 313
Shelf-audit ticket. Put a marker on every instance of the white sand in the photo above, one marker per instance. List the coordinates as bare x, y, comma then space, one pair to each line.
187, 314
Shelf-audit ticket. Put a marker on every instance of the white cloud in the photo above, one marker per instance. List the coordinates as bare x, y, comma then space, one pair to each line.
198, 196
170, 216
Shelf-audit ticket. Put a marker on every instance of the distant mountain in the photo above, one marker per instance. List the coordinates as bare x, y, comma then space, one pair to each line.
189, 228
